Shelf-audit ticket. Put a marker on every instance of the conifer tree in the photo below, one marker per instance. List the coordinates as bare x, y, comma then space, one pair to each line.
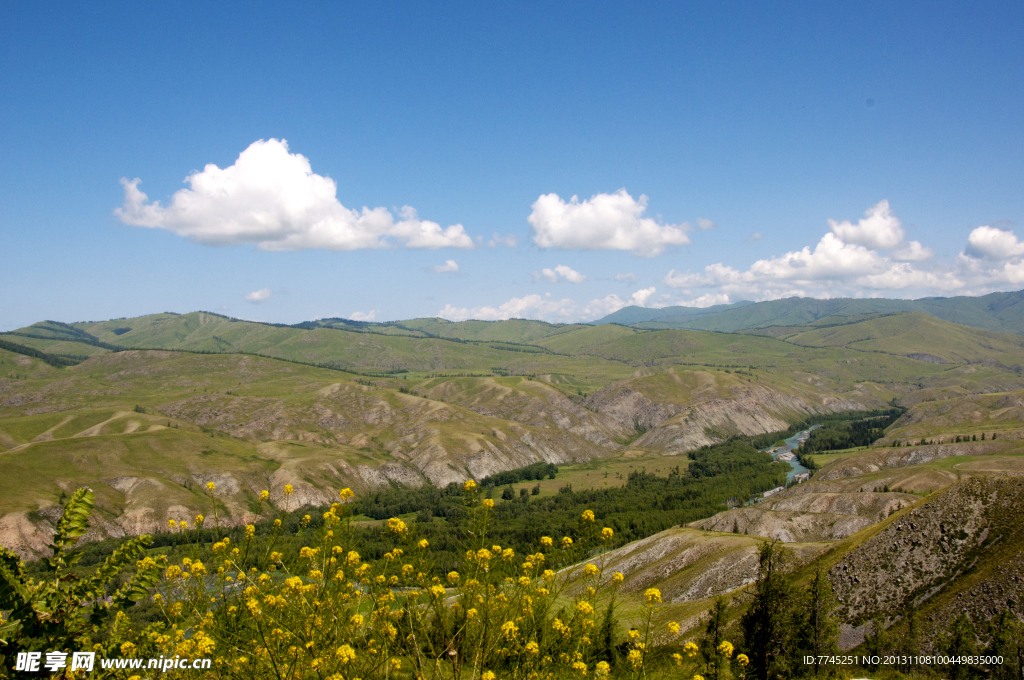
908, 640
961, 640
767, 623
818, 633
714, 635
1007, 641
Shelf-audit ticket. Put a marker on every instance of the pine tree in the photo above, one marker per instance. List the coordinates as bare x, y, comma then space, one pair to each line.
908, 642
818, 634
961, 640
767, 623
877, 643
1007, 634
714, 635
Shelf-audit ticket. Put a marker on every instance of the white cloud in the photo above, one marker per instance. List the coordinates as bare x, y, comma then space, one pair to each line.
847, 261
448, 266
603, 222
991, 243
707, 300
273, 198
913, 252
878, 230
756, 236
595, 309
559, 273
363, 316
508, 240
705, 223
527, 307
628, 277
258, 295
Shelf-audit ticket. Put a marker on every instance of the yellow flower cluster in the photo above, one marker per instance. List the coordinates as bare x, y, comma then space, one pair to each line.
323, 611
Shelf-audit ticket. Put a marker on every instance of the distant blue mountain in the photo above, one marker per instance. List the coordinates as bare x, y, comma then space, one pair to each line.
628, 316
1003, 312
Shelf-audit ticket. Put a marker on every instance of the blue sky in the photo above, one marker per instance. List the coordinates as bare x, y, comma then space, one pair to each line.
747, 127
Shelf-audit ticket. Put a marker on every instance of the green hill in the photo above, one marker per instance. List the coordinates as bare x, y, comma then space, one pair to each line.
1002, 312
918, 336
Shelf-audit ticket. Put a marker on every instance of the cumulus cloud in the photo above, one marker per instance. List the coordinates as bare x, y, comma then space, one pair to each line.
879, 229
258, 296
508, 240
603, 222
850, 259
707, 300
598, 308
272, 198
628, 277
448, 266
530, 307
559, 273
991, 243
913, 252
363, 316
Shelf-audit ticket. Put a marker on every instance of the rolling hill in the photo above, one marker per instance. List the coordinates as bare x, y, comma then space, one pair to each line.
1002, 312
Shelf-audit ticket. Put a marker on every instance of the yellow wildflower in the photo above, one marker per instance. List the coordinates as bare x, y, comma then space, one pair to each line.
487, 503
726, 649
652, 596
584, 607
264, 495
250, 532
345, 654
742, 660
422, 545
288, 490
469, 485
673, 627
546, 541
397, 526
487, 675
588, 515
566, 541
591, 569
453, 576
606, 533
211, 487
602, 669
509, 629
346, 493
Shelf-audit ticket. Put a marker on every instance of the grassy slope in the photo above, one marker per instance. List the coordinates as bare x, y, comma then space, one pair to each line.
995, 312
917, 332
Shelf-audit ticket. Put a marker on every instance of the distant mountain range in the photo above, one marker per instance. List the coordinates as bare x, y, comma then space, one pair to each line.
1002, 312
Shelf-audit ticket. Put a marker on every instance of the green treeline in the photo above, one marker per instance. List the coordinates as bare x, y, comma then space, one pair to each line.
537, 471
645, 505
838, 433
54, 360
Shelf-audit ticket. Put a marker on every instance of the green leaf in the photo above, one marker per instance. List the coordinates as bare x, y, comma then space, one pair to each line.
75, 520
